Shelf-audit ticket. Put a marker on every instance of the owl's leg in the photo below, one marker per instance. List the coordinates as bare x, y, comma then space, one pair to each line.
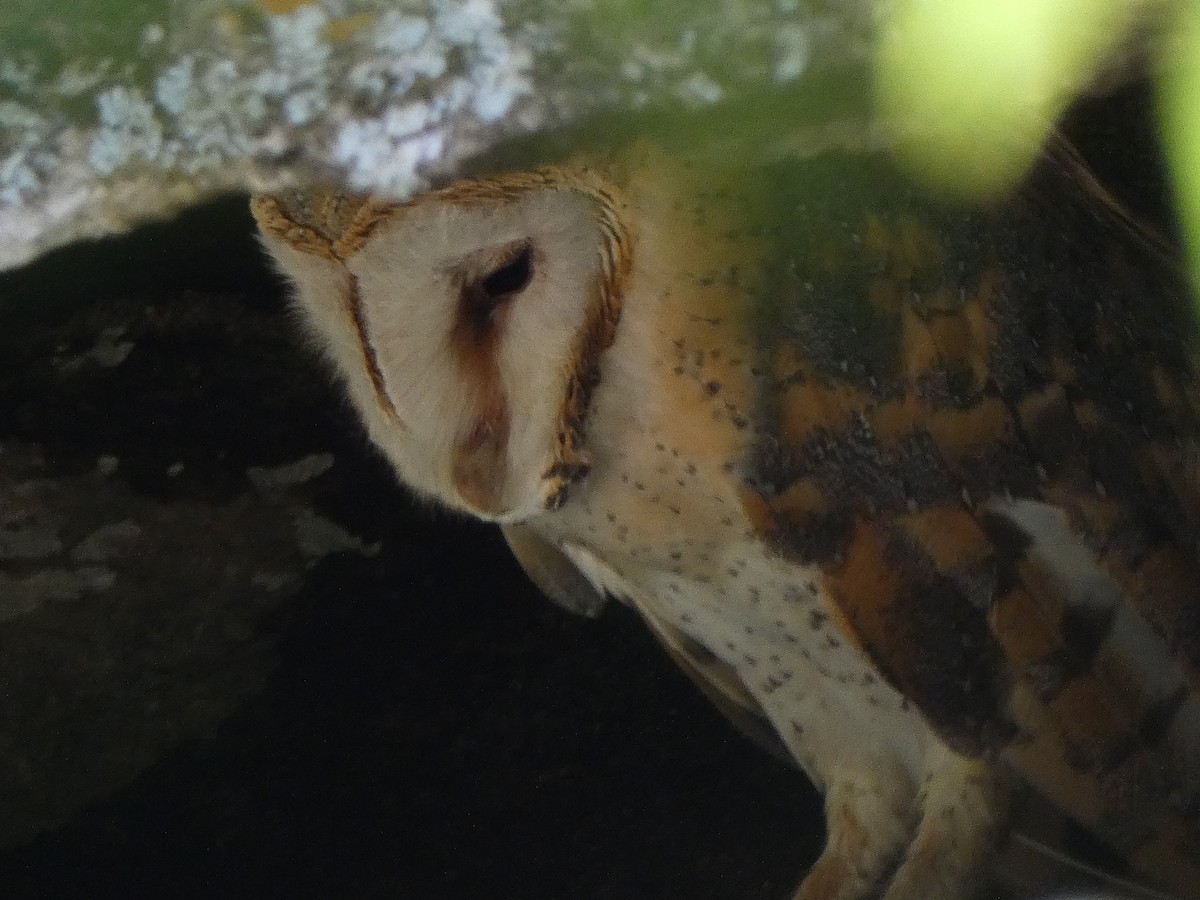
964, 807
869, 820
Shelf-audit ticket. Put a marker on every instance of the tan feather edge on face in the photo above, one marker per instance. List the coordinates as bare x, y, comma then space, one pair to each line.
278, 219
598, 332
342, 226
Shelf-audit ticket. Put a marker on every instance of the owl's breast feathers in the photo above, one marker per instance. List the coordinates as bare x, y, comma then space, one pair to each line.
982, 428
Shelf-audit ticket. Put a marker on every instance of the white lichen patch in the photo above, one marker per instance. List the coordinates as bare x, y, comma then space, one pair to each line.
793, 51
130, 131
27, 163
377, 94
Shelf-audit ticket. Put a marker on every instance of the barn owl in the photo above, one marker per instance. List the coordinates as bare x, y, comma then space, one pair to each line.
909, 488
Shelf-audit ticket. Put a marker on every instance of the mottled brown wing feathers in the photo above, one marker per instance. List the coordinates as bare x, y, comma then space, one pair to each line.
981, 426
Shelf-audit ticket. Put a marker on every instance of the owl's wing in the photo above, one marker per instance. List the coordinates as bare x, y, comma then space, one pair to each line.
719, 682
987, 444
554, 574
557, 576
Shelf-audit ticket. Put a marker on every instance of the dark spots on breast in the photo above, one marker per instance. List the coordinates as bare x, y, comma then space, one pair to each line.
816, 619
484, 295
712, 388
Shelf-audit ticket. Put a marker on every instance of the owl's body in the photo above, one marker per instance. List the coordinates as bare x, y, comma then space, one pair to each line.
910, 490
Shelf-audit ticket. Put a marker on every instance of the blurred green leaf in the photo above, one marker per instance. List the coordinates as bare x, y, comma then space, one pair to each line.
1180, 110
971, 87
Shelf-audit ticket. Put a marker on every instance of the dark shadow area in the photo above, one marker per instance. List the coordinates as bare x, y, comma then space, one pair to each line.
430, 727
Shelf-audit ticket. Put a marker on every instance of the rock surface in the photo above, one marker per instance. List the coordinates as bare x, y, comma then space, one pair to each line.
114, 112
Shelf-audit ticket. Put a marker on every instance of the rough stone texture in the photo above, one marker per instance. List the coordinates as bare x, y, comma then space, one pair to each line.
113, 112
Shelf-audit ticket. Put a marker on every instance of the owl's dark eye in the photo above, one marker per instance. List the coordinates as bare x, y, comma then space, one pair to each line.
512, 277
483, 296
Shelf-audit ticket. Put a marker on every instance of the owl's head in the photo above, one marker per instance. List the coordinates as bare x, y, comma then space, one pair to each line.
468, 325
